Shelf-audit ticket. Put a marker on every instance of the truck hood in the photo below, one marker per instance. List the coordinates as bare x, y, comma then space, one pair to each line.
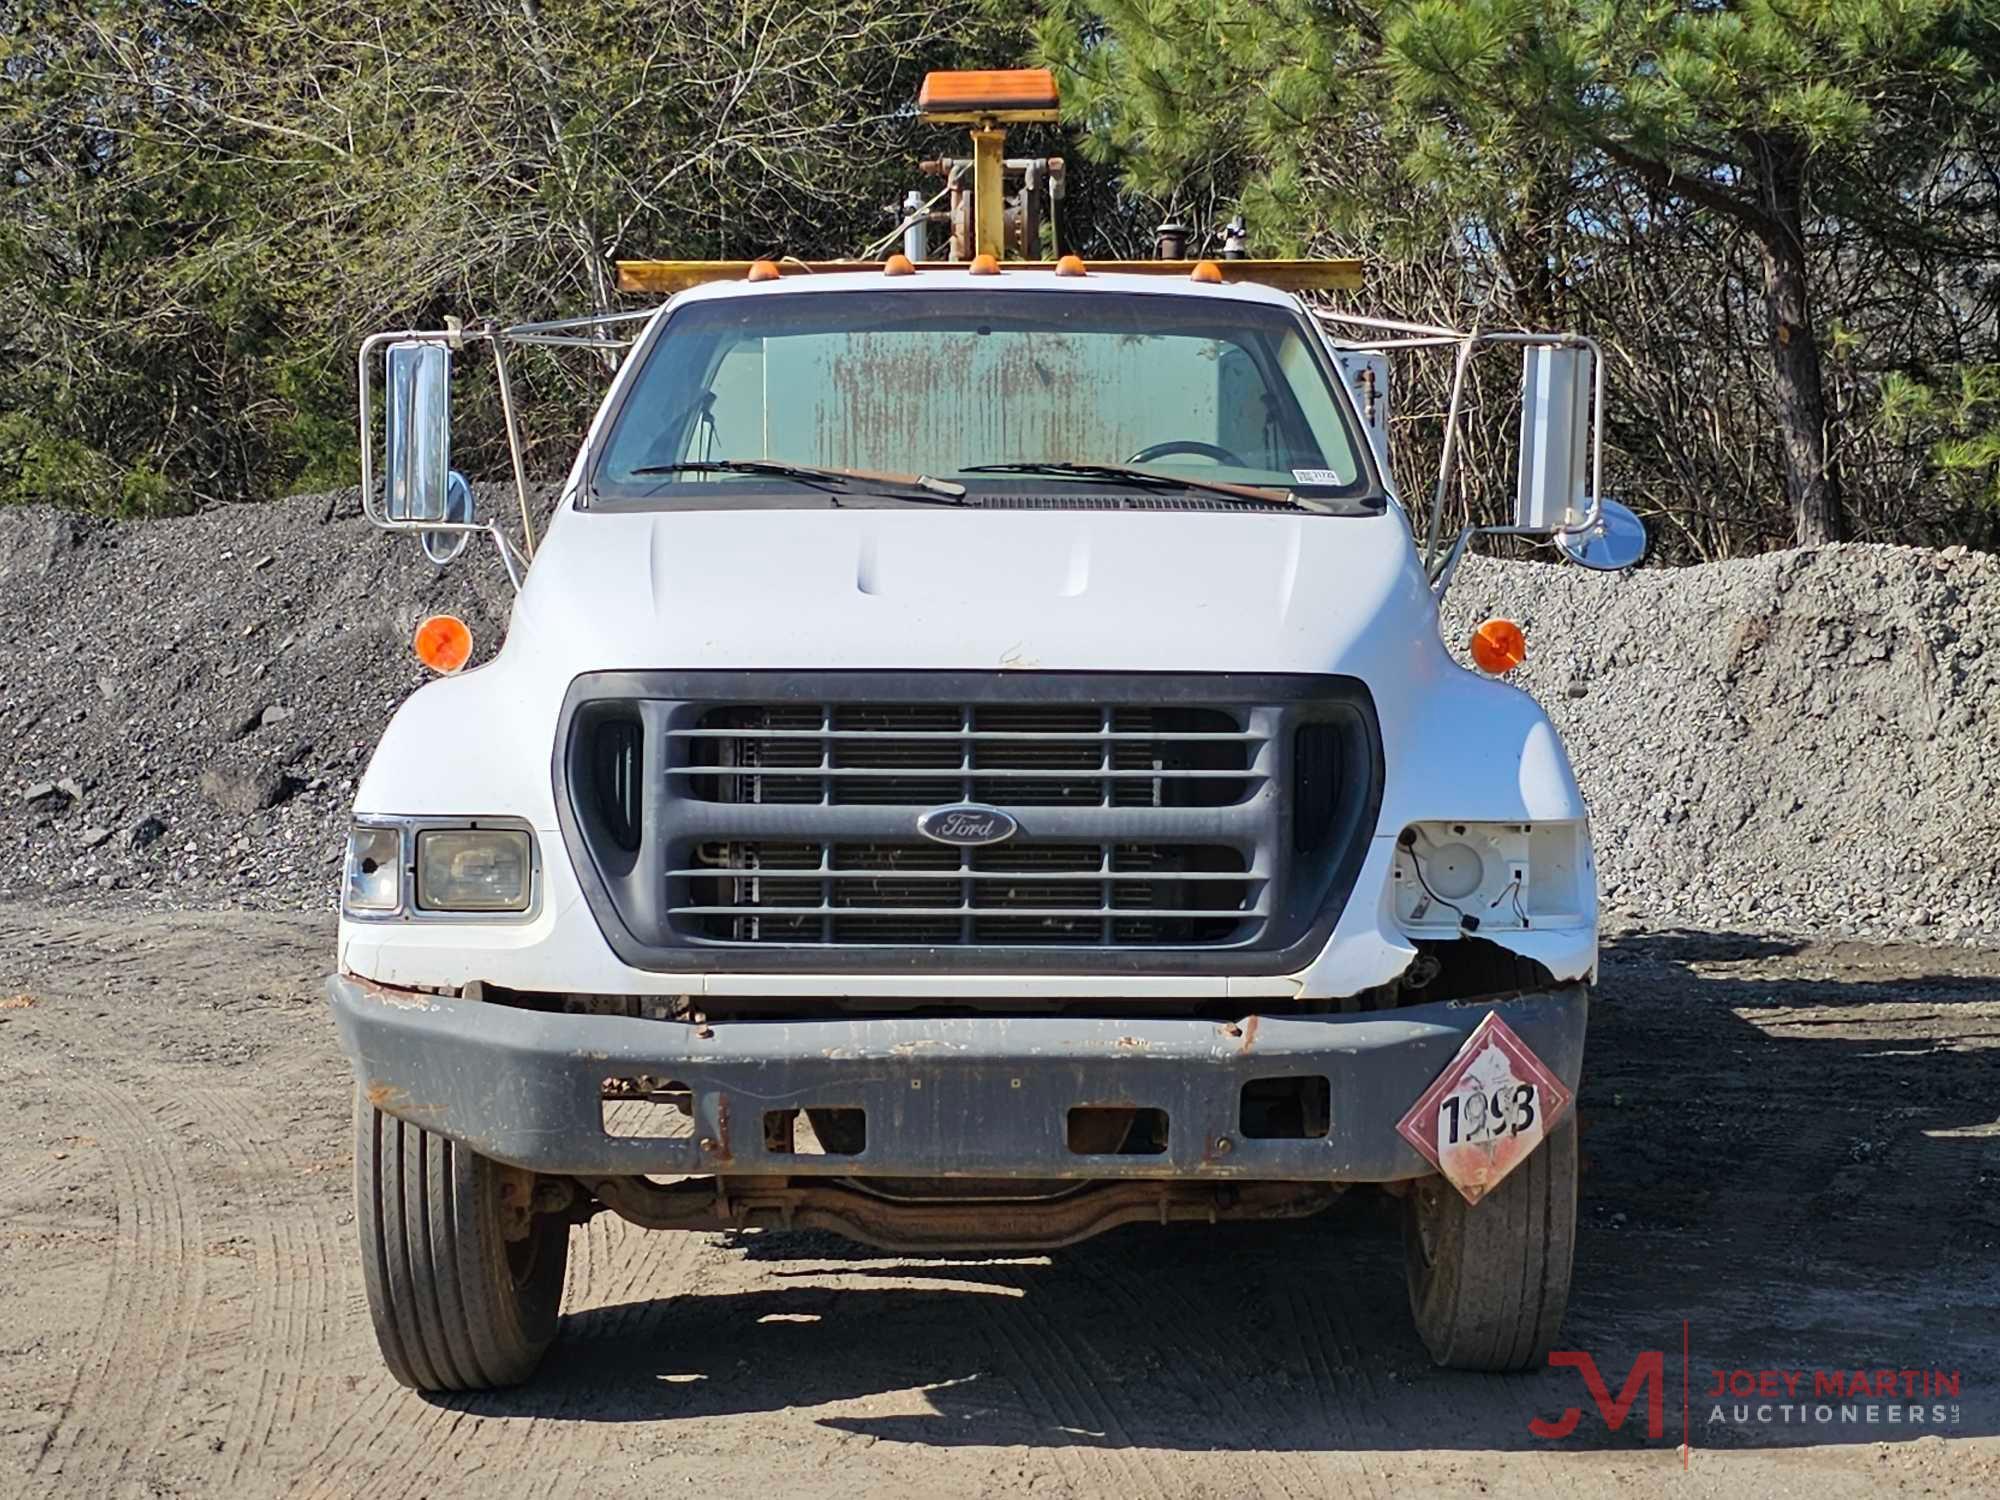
949, 590
938, 588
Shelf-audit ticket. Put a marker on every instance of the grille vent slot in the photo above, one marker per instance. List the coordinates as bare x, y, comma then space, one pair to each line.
919, 755
923, 894
617, 776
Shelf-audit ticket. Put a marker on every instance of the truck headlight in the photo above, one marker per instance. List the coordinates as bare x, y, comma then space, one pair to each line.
1465, 877
374, 879
473, 869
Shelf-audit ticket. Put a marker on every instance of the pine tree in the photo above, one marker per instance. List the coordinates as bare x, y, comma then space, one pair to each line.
1776, 117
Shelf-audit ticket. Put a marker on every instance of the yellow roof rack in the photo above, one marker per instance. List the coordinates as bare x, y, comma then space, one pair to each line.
1285, 275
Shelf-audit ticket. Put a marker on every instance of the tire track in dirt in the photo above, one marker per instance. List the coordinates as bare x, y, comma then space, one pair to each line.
1079, 1464
136, 1357
1320, 1318
1072, 1403
352, 1454
1290, 1472
274, 1377
1373, 1421
638, 1269
627, 1269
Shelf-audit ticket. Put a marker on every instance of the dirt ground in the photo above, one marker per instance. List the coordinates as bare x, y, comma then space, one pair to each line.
1790, 1149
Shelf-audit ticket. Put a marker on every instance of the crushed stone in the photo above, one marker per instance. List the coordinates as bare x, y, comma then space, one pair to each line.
1802, 742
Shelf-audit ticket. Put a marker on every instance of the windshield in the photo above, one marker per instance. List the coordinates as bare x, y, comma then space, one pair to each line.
942, 382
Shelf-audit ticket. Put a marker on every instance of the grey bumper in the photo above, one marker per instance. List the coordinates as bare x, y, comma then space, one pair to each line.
957, 1096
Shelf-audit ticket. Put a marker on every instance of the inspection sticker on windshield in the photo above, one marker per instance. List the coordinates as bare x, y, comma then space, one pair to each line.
1317, 476
1488, 1110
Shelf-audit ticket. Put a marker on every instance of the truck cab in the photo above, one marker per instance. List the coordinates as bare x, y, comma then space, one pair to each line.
973, 763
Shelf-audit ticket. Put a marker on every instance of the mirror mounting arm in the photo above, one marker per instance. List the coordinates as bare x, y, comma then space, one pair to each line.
1393, 334
514, 447
454, 336
596, 331
1442, 575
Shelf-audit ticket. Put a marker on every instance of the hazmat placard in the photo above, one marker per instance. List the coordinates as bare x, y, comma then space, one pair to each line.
1487, 1111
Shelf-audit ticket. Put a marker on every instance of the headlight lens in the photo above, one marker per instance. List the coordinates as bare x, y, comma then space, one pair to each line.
374, 869
473, 869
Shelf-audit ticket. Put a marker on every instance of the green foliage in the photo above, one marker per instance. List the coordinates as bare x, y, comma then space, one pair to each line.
203, 208
1712, 190
1960, 423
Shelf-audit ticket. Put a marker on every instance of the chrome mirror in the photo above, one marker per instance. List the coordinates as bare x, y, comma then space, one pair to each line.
1556, 396
442, 546
1616, 540
416, 472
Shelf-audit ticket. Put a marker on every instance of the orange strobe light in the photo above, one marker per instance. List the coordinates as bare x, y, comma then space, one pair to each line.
983, 265
1071, 265
1498, 646
443, 643
1208, 271
1017, 95
898, 265
762, 270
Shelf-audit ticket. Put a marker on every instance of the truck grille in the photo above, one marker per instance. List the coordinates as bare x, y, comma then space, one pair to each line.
758, 820
929, 893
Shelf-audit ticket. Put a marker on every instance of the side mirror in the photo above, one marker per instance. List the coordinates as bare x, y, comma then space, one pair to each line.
416, 469
1617, 540
442, 546
1556, 398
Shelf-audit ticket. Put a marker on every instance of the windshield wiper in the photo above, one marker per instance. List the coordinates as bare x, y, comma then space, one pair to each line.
1148, 479
919, 487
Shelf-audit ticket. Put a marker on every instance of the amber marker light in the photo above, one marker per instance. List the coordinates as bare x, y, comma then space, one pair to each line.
1071, 265
898, 265
762, 270
1498, 646
1206, 271
983, 264
443, 643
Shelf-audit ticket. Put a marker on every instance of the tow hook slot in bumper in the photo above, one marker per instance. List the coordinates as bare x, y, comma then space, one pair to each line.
965, 1097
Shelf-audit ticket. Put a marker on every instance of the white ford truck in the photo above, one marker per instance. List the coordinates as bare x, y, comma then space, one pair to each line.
973, 763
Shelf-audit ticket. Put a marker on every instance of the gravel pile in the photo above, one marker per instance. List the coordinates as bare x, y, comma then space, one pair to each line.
186, 705
1807, 741
1804, 742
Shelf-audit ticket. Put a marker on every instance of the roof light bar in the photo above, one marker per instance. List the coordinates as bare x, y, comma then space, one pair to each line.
666, 276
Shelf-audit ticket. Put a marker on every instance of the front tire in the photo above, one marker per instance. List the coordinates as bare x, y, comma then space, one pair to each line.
457, 1305
1489, 1281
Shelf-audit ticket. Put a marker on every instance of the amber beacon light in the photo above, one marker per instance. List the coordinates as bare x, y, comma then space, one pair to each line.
1010, 96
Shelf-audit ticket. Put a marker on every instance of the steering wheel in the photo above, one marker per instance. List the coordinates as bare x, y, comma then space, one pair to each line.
1186, 445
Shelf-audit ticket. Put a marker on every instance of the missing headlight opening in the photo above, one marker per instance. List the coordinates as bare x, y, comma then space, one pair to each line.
1483, 877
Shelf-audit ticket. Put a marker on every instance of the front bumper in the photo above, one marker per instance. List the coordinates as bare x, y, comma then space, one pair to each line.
944, 1097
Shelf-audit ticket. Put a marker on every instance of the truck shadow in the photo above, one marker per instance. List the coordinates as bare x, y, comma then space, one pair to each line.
1794, 1160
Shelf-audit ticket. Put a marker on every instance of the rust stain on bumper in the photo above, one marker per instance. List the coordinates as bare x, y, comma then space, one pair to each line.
387, 1098
384, 994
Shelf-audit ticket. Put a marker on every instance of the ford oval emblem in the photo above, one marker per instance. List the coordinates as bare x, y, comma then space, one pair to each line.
967, 824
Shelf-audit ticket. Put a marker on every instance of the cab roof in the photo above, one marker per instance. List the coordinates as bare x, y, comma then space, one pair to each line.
1018, 278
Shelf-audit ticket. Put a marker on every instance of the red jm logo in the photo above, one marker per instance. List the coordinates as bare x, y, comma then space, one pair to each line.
1648, 1370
